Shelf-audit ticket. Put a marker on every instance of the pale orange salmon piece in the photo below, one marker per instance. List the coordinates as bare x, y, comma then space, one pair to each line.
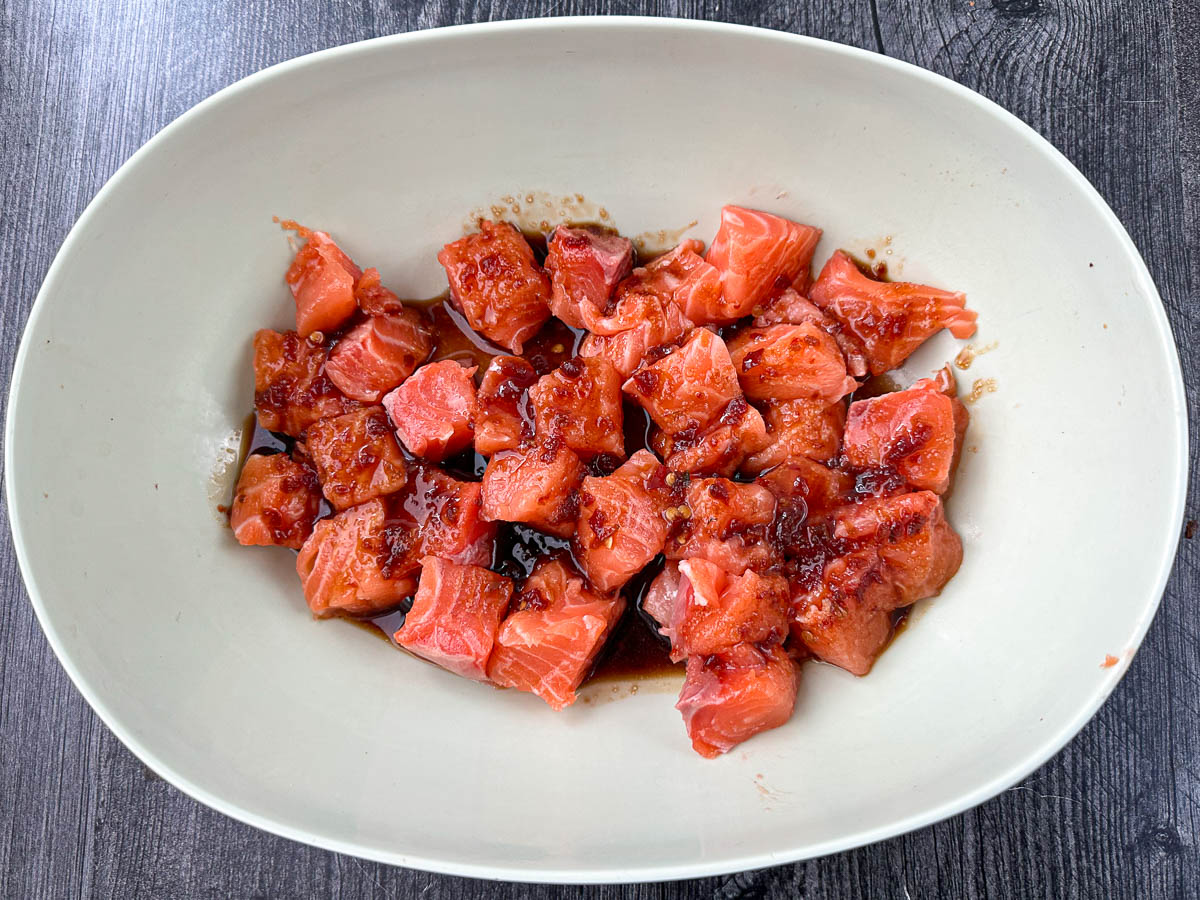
378, 353
434, 410
537, 486
322, 279
455, 615
729, 697
275, 503
756, 253
548, 643
497, 284
790, 362
889, 319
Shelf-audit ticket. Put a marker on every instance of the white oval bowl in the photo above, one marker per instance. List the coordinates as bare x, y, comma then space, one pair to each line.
134, 377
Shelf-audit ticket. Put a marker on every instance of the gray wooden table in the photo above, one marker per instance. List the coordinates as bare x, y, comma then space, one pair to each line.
1115, 84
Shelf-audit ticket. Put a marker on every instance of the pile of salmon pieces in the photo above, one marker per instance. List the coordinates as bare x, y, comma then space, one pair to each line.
780, 518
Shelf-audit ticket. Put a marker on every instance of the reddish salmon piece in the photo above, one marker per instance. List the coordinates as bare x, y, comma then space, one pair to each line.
811, 429
715, 610
621, 525
275, 503
920, 550
434, 410
322, 280
688, 388
381, 543
497, 284
729, 697
791, 307
727, 524
373, 298
584, 268
846, 619
455, 616
916, 432
755, 252
580, 402
655, 322
349, 565
504, 419
718, 449
659, 600
356, 457
378, 353
790, 362
806, 487
445, 517
291, 389
890, 319
536, 486
682, 278
550, 639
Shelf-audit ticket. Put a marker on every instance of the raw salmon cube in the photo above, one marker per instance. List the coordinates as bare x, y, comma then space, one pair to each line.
790, 307
917, 432
890, 319
718, 449
580, 402
755, 252
621, 524
356, 457
584, 267
445, 516
433, 515
811, 429
688, 388
378, 353
729, 697
659, 600
322, 280
350, 565
726, 523
715, 610
790, 362
656, 323
291, 389
551, 638
434, 410
683, 277
536, 486
497, 284
916, 543
455, 615
846, 619
504, 420
276, 502
373, 298
807, 487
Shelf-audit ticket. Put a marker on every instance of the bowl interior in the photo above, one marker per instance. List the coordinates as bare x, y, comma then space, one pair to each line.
134, 381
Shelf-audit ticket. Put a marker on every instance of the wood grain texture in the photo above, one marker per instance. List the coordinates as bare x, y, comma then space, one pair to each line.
1115, 84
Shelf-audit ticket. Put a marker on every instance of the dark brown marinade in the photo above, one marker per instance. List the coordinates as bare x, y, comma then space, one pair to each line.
519, 548
877, 271
556, 344
636, 649
638, 426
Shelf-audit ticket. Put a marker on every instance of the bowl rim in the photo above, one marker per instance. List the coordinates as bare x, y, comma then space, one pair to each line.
616, 873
